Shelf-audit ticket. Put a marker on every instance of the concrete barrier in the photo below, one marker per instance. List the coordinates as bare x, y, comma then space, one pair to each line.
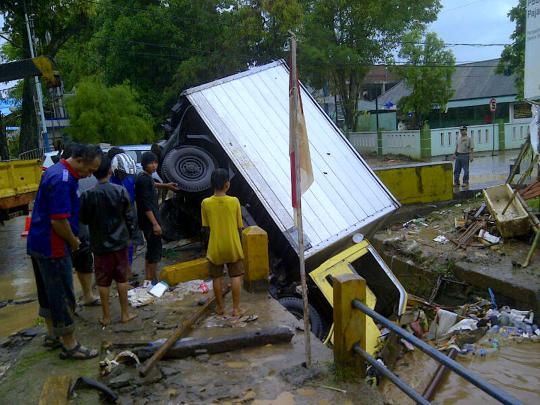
418, 182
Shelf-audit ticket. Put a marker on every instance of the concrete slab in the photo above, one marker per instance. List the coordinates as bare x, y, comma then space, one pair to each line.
418, 261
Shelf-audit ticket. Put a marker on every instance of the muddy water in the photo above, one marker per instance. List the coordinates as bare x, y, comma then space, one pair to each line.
16, 279
513, 368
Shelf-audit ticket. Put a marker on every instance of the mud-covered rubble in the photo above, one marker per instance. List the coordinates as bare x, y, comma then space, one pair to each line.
445, 271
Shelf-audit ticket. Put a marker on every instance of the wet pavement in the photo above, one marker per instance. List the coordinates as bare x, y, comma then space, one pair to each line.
488, 169
267, 375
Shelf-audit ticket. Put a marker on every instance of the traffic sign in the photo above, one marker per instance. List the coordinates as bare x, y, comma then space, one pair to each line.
492, 105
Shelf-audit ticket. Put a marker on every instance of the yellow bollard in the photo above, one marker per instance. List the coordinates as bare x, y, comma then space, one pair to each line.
256, 263
197, 269
349, 325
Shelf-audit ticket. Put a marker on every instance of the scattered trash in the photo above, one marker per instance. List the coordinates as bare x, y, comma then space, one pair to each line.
489, 237
107, 365
464, 324
139, 297
443, 240
159, 289
442, 323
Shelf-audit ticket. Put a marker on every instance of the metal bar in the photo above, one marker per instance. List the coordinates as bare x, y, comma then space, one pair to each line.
440, 373
411, 393
490, 389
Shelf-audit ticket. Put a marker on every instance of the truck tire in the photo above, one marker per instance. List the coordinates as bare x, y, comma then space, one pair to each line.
170, 221
296, 307
190, 167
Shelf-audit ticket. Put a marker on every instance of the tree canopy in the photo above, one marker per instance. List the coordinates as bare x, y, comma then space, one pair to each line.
428, 73
161, 47
342, 38
107, 114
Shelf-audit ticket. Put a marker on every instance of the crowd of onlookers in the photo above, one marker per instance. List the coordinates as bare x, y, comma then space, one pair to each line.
89, 208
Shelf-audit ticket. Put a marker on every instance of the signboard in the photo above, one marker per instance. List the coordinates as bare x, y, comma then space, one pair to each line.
492, 105
532, 50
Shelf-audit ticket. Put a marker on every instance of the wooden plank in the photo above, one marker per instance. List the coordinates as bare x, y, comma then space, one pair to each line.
225, 343
181, 331
55, 390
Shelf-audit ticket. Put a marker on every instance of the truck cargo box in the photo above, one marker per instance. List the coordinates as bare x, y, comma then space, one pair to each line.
248, 114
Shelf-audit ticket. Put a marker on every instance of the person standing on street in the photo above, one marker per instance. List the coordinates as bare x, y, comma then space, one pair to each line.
463, 156
146, 197
106, 210
51, 239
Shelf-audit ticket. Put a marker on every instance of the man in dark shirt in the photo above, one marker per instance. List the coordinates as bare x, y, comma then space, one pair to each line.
146, 197
51, 239
106, 210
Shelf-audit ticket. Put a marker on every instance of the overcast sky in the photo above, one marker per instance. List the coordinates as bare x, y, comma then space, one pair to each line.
470, 21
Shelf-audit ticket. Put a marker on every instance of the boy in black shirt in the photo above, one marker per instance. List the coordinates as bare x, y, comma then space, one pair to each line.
106, 210
146, 197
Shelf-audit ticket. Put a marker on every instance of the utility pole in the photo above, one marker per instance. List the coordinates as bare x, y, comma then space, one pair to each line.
38, 84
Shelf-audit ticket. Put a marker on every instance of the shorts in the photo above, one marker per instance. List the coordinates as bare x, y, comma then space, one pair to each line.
112, 266
153, 247
235, 269
83, 260
56, 296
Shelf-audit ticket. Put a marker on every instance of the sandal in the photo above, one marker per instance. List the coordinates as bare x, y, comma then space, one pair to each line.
95, 303
51, 342
79, 352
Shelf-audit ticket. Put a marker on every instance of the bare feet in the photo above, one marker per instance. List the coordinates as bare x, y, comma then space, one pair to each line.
219, 311
238, 312
105, 322
129, 317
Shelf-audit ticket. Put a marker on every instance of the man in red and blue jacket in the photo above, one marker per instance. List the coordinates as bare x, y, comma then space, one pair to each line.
52, 238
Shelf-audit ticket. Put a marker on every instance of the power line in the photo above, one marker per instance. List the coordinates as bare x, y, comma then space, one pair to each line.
462, 6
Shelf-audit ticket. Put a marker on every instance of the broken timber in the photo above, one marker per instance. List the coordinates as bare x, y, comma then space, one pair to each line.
181, 331
225, 343
55, 390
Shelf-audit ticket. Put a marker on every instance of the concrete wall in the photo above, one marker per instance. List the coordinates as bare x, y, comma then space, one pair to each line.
418, 183
515, 135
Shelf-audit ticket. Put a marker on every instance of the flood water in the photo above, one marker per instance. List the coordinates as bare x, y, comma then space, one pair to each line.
515, 367
16, 279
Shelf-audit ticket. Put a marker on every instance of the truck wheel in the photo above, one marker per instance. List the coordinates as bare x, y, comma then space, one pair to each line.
170, 221
190, 167
296, 307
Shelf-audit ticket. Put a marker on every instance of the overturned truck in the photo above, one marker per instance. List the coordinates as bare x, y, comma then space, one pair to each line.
241, 123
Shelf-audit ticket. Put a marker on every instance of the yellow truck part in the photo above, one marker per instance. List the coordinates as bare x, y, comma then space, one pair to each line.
383, 286
19, 181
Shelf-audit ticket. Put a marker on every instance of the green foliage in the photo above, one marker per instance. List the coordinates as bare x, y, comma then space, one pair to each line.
341, 38
429, 77
513, 56
107, 114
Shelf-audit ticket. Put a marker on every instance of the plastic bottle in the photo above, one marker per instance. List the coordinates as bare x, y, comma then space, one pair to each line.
483, 352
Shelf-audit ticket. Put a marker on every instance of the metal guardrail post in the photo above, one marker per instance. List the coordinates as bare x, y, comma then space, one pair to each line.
500, 395
349, 325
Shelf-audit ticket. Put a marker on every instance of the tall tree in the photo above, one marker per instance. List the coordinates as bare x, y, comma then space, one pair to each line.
513, 56
428, 73
54, 22
108, 114
341, 38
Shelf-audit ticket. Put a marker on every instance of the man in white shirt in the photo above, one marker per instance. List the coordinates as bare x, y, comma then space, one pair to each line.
463, 156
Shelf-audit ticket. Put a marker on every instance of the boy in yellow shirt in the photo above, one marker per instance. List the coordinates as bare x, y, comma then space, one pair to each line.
222, 215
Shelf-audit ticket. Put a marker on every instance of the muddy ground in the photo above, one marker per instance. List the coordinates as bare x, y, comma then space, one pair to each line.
422, 263
267, 375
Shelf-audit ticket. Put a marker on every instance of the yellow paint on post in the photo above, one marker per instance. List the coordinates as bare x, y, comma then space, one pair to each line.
197, 269
349, 324
419, 182
256, 262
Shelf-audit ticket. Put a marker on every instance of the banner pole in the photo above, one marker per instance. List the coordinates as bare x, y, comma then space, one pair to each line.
298, 210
